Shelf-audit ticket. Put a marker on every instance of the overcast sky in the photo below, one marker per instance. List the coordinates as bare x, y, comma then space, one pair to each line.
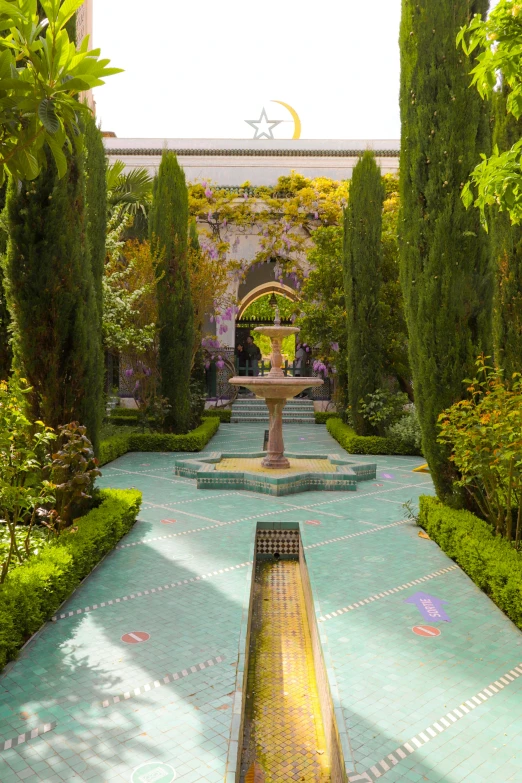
199, 69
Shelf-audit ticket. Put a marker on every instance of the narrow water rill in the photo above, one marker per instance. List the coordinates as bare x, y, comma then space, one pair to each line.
284, 736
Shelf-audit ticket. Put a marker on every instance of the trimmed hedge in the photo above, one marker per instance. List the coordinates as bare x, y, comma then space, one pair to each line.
490, 561
125, 417
321, 417
372, 444
34, 591
224, 414
196, 440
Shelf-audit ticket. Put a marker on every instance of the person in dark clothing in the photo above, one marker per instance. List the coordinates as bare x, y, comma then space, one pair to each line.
254, 356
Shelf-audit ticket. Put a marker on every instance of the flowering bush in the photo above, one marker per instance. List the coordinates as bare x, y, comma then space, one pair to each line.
39, 488
484, 432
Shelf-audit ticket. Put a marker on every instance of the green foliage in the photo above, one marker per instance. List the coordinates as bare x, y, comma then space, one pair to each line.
37, 588
445, 264
223, 414
24, 453
41, 75
497, 43
485, 436
96, 225
52, 296
371, 444
362, 284
321, 417
394, 333
490, 561
196, 440
169, 235
322, 317
407, 431
383, 408
506, 243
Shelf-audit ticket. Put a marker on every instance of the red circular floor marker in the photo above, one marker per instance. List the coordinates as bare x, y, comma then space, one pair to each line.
167, 521
135, 637
312, 522
425, 630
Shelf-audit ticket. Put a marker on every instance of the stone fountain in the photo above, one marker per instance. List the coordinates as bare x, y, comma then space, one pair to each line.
276, 388
271, 472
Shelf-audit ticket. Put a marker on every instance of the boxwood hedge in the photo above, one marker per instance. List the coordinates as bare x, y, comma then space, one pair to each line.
372, 444
34, 591
489, 560
196, 440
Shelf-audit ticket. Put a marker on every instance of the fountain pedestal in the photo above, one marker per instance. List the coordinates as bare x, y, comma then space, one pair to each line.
276, 389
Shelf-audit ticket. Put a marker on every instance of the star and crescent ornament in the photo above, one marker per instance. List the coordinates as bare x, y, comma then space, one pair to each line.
263, 126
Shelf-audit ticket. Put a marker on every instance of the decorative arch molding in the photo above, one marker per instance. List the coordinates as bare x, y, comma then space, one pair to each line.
263, 290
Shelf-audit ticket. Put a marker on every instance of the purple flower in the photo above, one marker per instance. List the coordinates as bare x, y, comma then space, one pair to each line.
129, 373
207, 365
220, 363
335, 347
208, 193
316, 215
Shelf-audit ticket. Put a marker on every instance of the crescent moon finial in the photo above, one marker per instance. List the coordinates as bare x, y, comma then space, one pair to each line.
295, 117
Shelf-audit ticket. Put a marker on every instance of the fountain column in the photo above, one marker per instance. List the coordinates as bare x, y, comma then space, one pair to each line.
275, 457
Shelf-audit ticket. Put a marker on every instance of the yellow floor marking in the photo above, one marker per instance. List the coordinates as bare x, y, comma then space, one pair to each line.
286, 735
422, 469
253, 465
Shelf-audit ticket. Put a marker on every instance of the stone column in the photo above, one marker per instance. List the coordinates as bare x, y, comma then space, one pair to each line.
275, 457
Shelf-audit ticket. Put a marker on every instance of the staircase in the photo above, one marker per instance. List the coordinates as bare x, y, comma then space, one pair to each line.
253, 410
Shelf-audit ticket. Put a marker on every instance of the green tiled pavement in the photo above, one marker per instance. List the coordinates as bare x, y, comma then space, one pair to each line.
389, 685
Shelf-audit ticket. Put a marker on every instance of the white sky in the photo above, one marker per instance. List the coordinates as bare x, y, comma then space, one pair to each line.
199, 68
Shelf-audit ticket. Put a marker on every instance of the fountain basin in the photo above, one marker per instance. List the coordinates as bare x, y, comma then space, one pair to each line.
268, 387
301, 475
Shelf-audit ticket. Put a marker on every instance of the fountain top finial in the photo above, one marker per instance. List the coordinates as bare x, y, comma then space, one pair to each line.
277, 319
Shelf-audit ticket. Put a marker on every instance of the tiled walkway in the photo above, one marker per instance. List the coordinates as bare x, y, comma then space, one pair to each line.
415, 708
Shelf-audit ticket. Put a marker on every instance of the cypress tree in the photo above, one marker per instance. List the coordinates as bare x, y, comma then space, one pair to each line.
5, 320
51, 295
506, 241
168, 225
96, 222
445, 268
362, 283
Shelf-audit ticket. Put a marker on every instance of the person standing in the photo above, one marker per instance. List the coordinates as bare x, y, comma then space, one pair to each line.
254, 356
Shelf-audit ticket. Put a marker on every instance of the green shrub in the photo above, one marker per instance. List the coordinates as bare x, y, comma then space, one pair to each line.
321, 417
489, 560
407, 431
35, 590
224, 414
113, 447
371, 444
196, 440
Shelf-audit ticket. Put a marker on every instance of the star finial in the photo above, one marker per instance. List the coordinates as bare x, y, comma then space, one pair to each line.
263, 126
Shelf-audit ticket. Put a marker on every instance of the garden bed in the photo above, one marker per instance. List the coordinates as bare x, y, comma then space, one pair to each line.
195, 440
489, 560
357, 444
34, 590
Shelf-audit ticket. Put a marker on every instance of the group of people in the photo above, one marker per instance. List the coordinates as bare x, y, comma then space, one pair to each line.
248, 357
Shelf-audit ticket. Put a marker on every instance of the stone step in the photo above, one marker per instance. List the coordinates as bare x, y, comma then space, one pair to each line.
259, 405
264, 420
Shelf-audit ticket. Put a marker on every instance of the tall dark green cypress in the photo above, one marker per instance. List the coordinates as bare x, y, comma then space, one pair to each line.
6, 354
168, 225
362, 283
506, 241
51, 294
445, 267
96, 222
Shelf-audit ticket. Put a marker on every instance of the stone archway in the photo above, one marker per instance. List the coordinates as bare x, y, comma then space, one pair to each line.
262, 290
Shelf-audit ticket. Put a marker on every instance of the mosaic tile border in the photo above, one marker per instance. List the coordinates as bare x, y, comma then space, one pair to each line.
346, 477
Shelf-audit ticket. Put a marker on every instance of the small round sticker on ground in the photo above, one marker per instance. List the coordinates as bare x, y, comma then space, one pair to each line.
425, 630
168, 521
312, 522
135, 637
374, 559
153, 772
